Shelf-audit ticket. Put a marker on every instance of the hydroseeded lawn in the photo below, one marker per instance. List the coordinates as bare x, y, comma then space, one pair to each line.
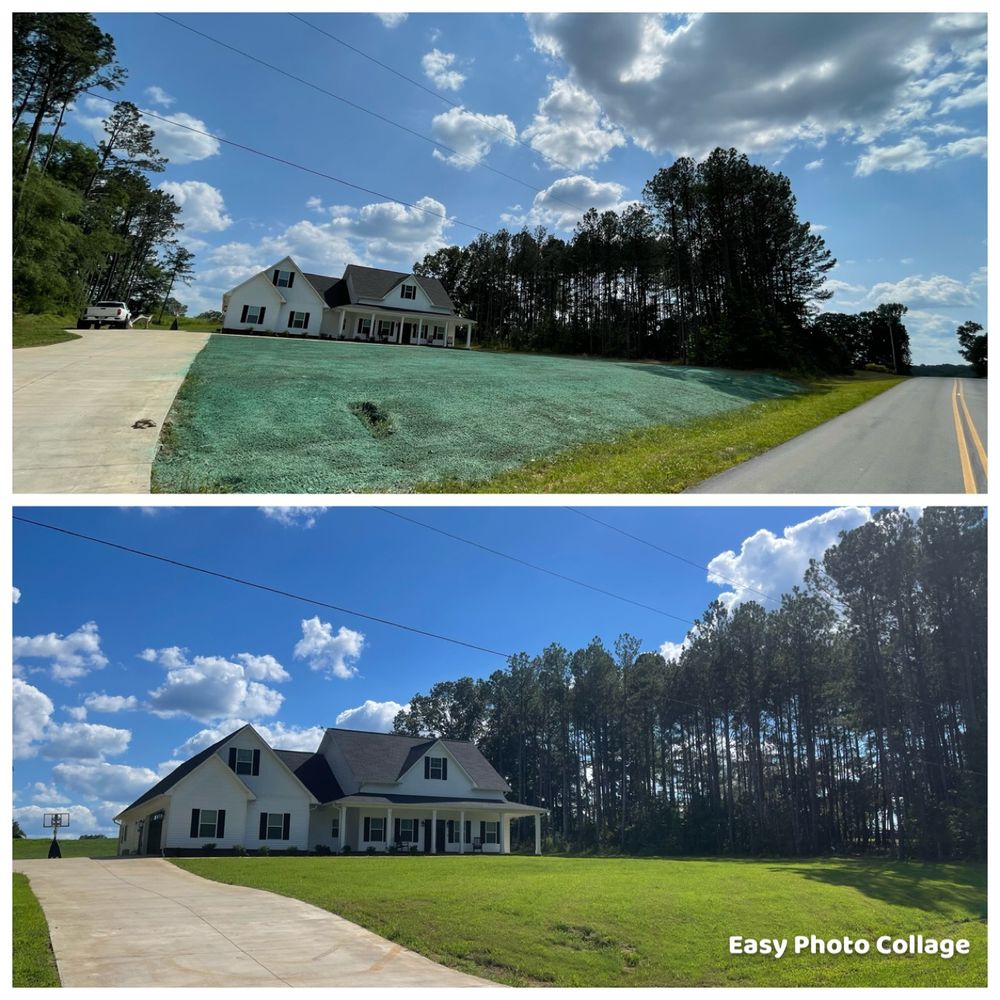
272, 415
641, 922
33, 961
26, 848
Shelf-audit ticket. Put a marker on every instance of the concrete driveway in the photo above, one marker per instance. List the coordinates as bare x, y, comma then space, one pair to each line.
75, 403
144, 922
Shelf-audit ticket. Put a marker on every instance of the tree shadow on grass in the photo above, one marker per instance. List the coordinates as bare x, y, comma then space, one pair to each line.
741, 385
941, 888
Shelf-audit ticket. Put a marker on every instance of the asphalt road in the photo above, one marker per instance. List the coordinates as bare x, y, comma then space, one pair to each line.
926, 435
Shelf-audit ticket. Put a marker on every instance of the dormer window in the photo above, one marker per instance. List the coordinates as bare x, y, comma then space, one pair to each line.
436, 767
408, 292
282, 279
244, 761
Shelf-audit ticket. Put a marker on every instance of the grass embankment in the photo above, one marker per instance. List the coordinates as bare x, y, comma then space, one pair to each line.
268, 415
641, 922
33, 961
669, 459
42, 330
26, 848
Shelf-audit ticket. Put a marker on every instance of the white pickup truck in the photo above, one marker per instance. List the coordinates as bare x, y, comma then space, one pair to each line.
105, 314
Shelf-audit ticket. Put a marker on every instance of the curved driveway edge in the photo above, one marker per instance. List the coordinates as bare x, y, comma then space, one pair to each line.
75, 403
144, 922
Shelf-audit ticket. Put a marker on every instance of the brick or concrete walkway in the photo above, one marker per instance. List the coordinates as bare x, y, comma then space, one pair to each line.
145, 922
75, 403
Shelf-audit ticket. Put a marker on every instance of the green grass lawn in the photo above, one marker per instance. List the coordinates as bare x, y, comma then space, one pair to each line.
641, 922
26, 848
272, 415
41, 330
33, 961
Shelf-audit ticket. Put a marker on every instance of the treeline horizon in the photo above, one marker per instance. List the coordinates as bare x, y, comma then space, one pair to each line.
87, 224
714, 267
850, 718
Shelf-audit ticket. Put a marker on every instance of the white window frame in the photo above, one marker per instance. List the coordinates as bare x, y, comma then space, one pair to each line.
284, 278
269, 829
364, 327
412, 289
372, 838
386, 328
407, 837
297, 320
202, 823
440, 769
242, 761
253, 314
491, 832
335, 828
454, 831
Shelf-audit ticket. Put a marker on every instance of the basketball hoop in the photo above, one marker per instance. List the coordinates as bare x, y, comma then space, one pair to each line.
57, 821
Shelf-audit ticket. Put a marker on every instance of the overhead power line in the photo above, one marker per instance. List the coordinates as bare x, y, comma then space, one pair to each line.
297, 166
534, 566
256, 585
430, 90
374, 114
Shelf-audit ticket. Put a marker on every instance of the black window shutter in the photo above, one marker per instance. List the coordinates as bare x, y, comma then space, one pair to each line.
291, 278
255, 767
274, 277
243, 315
260, 318
305, 322
232, 758
395, 832
444, 768
286, 826
195, 816
468, 831
221, 829
368, 828
427, 767
482, 831
263, 826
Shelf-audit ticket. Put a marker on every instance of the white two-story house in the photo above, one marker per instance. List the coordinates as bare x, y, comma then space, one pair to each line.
358, 791
366, 304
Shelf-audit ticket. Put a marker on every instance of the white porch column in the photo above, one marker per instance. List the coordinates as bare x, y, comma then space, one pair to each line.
342, 827
389, 835
343, 321
434, 831
468, 336
374, 330
399, 339
538, 834
504, 834
361, 829
461, 832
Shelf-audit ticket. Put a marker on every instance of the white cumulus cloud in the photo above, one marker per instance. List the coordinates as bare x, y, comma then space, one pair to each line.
203, 209
104, 781
472, 136
182, 140
563, 203
439, 69
374, 716
159, 96
276, 734
16, 595
31, 714
69, 656
391, 19
111, 703
84, 741
294, 517
333, 653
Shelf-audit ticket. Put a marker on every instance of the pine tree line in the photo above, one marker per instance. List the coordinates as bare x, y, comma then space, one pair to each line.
851, 718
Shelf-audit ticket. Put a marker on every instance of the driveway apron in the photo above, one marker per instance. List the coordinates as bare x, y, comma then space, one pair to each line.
75, 404
145, 922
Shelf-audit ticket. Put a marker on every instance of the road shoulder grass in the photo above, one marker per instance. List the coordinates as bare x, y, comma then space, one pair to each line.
42, 330
669, 458
601, 921
34, 963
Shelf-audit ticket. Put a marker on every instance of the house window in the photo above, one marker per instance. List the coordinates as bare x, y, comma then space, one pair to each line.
436, 767
408, 830
385, 327
275, 825
491, 833
298, 320
439, 333
374, 829
244, 761
335, 828
208, 823
408, 292
283, 279
364, 326
253, 315
454, 831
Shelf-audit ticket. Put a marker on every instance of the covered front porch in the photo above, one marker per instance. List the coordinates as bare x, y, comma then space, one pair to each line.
364, 823
389, 326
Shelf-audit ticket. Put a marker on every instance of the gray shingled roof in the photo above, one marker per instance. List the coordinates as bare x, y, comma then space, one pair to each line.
373, 283
314, 772
383, 757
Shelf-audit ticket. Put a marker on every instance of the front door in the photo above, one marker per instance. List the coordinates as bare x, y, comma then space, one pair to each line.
405, 335
153, 837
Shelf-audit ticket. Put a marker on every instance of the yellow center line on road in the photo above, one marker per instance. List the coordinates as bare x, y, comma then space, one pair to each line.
981, 451
963, 451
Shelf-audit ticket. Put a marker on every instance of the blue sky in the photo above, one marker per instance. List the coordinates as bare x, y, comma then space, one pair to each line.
879, 121
124, 666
